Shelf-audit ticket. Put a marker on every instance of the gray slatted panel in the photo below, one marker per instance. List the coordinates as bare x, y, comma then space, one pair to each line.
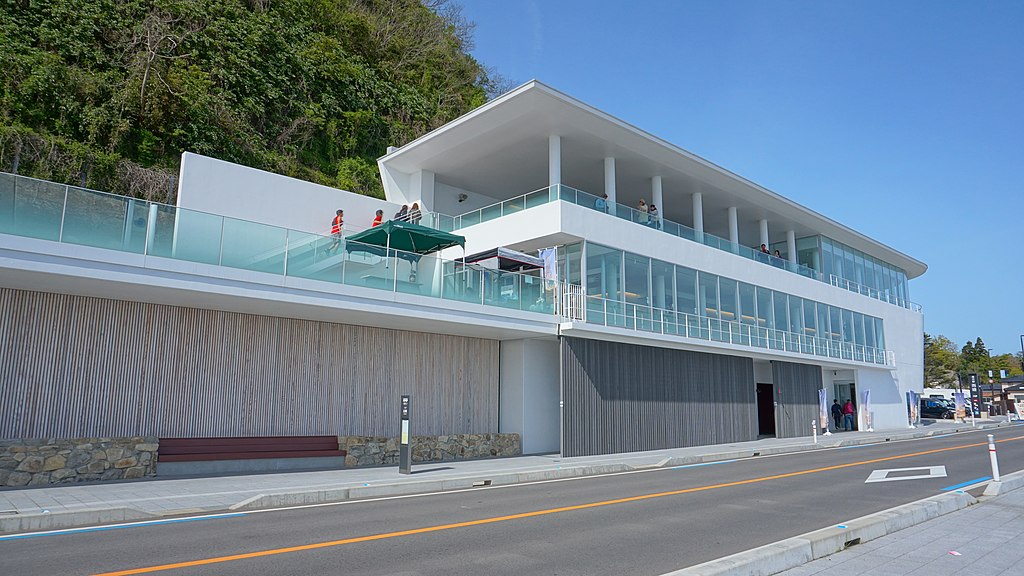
623, 398
796, 391
76, 366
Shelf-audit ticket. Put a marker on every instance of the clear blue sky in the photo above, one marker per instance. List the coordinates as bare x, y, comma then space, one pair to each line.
903, 120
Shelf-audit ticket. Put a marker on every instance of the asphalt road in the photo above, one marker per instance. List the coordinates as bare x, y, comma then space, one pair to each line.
649, 522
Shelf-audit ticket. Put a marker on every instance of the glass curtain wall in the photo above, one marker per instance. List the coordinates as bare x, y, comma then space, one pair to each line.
841, 261
633, 291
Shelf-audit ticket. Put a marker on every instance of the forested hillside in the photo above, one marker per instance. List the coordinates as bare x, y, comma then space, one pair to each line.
108, 93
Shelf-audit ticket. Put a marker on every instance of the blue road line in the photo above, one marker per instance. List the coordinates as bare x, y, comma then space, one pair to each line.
968, 483
142, 524
702, 464
851, 447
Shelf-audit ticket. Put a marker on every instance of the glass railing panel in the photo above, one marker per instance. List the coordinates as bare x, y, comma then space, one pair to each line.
367, 266
188, 235
8, 183
490, 213
615, 314
253, 246
501, 289
415, 274
537, 295
595, 311
537, 198
104, 221
36, 209
314, 257
462, 283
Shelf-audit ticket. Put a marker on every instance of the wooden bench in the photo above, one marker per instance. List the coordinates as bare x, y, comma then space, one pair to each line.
246, 448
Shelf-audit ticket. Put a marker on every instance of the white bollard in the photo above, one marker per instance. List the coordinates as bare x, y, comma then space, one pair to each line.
992, 457
814, 428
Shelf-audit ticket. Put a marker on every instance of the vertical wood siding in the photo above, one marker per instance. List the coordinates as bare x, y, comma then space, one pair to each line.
796, 394
624, 398
77, 366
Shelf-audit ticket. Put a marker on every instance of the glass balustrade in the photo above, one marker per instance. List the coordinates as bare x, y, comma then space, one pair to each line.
587, 200
62, 213
657, 320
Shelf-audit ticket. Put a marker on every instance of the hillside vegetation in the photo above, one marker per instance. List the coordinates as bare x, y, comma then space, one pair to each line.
108, 93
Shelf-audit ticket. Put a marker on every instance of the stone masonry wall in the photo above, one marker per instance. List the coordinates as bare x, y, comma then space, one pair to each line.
376, 451
63, 460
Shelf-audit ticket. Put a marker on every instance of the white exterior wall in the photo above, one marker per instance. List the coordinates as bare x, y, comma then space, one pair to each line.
218, 187
559, 222
446, 200
529, 393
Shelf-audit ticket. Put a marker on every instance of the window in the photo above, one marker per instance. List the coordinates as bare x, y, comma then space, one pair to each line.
638, 279
686, 290
764, 308
727, 290
748, 309
662, 288
708, 295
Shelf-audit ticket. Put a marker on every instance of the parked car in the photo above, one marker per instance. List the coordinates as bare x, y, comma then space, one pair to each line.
936, 408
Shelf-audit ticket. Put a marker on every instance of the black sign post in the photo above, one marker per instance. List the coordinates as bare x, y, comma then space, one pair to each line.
404, 453
972, 379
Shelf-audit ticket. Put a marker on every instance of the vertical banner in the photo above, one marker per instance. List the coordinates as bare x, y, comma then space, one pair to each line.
823, 410
913, 404
865, 411
961, 406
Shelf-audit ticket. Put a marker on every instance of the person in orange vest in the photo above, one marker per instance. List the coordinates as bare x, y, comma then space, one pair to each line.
337, 228
378, 218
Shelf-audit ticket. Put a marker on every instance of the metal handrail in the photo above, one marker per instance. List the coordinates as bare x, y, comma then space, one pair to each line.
643, 318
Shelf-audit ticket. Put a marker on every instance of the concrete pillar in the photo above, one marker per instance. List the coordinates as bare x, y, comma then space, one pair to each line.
791, 245
657, 198
554, 160
422, 190
698, 216
764, 231
609, 183
734, 227
659, 291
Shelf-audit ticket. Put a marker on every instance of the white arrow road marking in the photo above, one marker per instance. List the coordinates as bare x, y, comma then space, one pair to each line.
883, 475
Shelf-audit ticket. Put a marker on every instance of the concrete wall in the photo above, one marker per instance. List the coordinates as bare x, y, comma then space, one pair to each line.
529, 393
218, 187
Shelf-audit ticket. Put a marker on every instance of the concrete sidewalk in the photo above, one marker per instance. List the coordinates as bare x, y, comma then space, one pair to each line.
48, 508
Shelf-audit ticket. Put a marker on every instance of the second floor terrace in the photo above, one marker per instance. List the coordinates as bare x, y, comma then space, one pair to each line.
120, 233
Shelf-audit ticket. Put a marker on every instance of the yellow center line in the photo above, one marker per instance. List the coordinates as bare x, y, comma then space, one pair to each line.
495, 519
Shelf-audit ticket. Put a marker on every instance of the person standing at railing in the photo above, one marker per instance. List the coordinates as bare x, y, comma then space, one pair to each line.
655, 219
337, 227
378, 218
402, 214
643, 213
414, 213
601, 204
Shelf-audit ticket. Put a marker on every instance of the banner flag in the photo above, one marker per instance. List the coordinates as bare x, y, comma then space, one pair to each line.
865, 407
823, 410
913, 404
961, 406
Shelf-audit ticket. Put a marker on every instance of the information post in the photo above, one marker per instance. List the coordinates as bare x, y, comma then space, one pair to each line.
404, 453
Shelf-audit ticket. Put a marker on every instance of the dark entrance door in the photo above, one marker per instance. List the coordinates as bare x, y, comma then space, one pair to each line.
765, 410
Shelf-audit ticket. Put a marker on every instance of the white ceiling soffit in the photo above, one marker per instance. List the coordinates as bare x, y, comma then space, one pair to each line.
501, 148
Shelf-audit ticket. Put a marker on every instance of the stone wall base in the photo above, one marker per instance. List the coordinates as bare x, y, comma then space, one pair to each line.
40, 461
376, 451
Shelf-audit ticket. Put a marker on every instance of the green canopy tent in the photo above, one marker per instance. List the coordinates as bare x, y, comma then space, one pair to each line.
405, 236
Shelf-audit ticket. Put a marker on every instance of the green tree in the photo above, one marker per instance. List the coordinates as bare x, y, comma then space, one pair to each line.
941, 362
110, 94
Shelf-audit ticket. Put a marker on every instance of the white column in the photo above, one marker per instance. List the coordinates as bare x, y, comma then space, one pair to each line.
422, 189
791, 245
698, 216
609, 183
656, 195
554, 160
734, 227
764, 231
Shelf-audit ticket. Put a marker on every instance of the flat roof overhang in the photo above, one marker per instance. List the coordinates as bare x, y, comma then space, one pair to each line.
500, 149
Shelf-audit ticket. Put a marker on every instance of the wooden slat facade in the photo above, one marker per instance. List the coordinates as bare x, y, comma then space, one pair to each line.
624, 398
73, 366
796, 397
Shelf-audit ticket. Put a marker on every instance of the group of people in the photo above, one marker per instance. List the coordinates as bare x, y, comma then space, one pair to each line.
843, 413
405, 214
648, 214
764, 250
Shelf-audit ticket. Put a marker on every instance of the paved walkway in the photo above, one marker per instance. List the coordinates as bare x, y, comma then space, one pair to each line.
983, 540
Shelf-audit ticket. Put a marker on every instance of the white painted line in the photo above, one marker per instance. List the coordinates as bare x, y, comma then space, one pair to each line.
883, 475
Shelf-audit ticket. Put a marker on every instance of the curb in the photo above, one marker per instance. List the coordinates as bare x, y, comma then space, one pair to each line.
47, 521
797, 551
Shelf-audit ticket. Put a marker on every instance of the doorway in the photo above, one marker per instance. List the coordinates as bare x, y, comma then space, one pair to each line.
765, 410
847, 391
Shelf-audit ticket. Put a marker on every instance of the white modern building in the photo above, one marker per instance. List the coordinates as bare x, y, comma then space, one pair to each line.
234, 312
